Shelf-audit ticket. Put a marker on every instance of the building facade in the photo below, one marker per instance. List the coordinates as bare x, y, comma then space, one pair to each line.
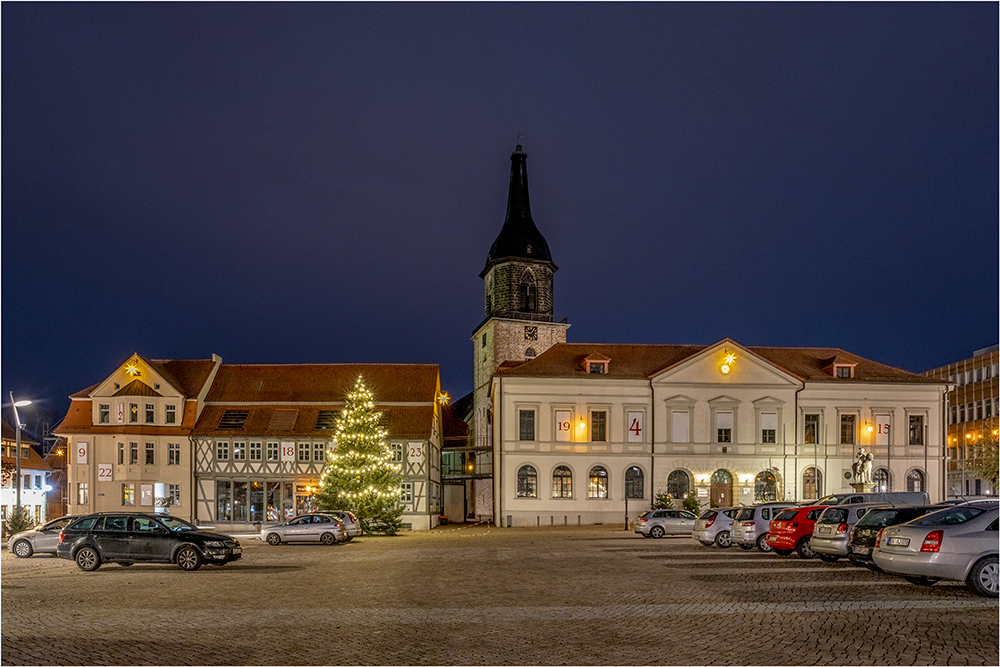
239, 445
34, 481
971, 406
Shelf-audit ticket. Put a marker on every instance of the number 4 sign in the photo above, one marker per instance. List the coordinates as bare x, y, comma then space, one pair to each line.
635, 426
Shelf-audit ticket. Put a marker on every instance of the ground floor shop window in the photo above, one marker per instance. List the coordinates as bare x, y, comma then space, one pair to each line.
915, 481
633, 483
678, 484
527, 482
562, 482
261, 501
882, 480
598, 486
765, 487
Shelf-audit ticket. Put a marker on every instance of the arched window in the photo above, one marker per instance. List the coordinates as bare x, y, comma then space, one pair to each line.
915, 481
529, 353
562, 482
634, 488
765, 488
598, 486
529, 296
883, 482
527, 482
812, 483
678, 484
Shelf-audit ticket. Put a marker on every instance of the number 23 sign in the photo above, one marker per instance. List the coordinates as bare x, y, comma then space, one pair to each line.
415, 453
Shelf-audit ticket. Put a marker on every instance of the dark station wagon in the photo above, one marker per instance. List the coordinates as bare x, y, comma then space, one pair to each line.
128, 538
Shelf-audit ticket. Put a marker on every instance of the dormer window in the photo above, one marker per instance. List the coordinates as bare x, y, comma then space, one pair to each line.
843, 371
598, 368
596, 364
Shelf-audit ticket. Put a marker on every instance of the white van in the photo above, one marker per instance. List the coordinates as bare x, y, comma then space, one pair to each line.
885, 498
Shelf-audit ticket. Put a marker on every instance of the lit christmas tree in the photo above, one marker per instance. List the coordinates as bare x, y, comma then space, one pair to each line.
360, 475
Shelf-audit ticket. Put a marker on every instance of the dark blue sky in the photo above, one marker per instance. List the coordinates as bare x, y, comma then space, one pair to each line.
282, 183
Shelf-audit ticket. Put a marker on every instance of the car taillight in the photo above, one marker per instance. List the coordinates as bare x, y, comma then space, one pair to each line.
795, 524
644, 520
878, 538
709, 522
933, 541
61, 537
842, 528
747, 524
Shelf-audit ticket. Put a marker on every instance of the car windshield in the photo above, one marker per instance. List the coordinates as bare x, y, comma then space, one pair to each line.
745, 514
177, 525
948, 517
832, 500
708, 514
834, 515
786, 515
61, 522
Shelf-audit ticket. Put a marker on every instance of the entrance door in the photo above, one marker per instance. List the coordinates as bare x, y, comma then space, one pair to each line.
722, 489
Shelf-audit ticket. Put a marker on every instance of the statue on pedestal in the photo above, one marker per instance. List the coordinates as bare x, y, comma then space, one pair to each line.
862, 467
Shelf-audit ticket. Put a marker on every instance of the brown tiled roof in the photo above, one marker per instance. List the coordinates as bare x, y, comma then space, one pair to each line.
322, 383
188, 376
454, 426
79, 420
643, 361
31, 461
10, 434
403, 421
136, 388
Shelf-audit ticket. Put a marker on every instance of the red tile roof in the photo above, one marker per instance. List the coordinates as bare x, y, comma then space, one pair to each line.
643, 361
188, 376
322, 383
403, 421
10, 434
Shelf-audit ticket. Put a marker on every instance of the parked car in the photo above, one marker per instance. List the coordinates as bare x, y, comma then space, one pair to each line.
791, 530
955, 544
127, 538
313, 527
714, 526
963, 500
350, 522
39, 540
752, 523
831, 534
657, 523
867, 528
881, 497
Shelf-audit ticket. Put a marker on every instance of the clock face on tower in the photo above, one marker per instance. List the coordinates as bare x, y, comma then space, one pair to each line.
530, 333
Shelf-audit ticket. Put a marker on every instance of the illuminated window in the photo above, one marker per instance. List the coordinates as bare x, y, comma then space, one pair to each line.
597, 486
128, 494
82, 494
133, 413
882, 479
527, 482
810, 430
173, 454
562, 482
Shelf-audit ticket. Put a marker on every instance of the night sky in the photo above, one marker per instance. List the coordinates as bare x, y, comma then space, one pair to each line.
287, 183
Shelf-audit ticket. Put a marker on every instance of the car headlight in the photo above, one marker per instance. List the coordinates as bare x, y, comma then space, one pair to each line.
215, 543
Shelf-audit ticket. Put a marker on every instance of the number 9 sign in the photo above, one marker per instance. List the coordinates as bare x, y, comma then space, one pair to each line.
81, 452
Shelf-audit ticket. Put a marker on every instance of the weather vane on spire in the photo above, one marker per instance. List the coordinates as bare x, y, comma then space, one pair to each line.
519, 137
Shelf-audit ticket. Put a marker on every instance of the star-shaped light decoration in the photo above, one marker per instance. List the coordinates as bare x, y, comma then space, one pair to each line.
727, 364
443, 398
132, 369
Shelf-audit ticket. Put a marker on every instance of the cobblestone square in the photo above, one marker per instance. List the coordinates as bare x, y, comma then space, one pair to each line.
562, 596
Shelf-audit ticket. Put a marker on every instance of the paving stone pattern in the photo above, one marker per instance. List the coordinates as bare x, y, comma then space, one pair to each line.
590, 595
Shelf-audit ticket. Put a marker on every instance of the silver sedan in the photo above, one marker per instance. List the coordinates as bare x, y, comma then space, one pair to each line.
957, 543
40, 540
305, 528
657, 523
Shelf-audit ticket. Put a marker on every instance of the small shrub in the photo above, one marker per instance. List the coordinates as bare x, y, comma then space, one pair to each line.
691, 504
663, 501
18, 521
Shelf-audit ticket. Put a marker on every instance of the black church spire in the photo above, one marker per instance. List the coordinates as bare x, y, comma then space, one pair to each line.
519, 238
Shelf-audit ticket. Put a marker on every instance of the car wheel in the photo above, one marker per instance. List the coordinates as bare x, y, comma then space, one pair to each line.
706, 544
656, 531
763, 545
723, 540
805, 549
348, 538
983, 578
783, 552
921, 581
87, 559
327, 538
746, 547
188, 558
829, 558
273, 539
22, 549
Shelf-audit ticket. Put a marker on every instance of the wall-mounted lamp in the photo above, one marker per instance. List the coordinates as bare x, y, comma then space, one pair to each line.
728, 361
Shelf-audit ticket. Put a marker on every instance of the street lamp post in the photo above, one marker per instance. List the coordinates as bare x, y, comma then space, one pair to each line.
17, 427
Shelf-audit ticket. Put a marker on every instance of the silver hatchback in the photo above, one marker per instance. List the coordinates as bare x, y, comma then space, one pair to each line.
306, 528
750, 525
714, 525
350, 522
831, 536
40, 540
657, 523
957, 543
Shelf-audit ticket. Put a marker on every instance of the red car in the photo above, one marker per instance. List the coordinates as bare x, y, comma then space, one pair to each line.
791, 530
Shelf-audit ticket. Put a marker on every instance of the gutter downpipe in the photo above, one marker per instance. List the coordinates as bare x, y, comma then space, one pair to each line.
652, 448
795, 437
498, 447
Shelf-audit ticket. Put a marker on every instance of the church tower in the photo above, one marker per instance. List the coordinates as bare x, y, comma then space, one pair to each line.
519, 300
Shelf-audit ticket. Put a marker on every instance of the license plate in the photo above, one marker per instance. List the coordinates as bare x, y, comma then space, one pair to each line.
772, 538
825, 530
862, 550
899, 541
